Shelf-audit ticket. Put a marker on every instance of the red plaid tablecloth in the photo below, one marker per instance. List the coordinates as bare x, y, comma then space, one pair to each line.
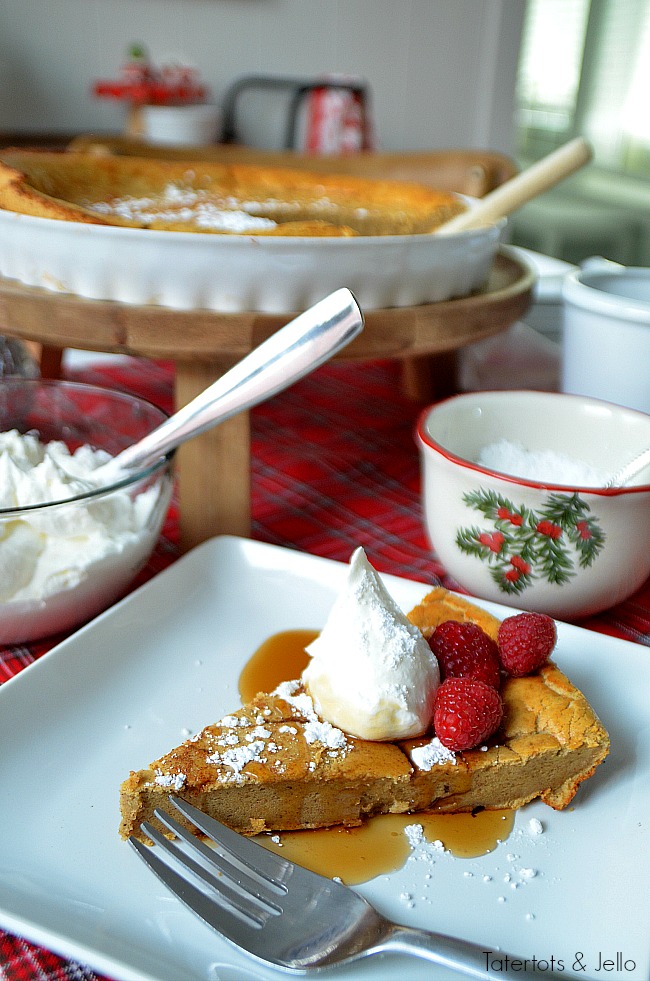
334, 466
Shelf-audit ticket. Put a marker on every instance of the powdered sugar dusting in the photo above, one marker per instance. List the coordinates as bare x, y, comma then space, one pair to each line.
431, 754
232, 721
239, 756
173, 781
316, 729
510, 881
423, 850
184, 205
252, 738
415, 834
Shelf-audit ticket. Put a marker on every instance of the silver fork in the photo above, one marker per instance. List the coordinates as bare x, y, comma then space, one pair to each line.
285, 915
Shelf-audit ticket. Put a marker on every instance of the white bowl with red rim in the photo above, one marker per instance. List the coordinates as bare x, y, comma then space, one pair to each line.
536, 544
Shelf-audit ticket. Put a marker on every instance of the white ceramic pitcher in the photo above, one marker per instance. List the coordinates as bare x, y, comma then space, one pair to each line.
606, 333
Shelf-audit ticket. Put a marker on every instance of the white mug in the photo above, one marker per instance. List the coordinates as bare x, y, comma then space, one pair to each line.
606, 335
193, 125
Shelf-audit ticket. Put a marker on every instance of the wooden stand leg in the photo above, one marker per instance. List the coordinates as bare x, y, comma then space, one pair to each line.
213, 469
50, 360
428, 378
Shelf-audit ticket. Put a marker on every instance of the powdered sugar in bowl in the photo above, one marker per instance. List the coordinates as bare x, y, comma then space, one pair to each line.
67, 551
515, 504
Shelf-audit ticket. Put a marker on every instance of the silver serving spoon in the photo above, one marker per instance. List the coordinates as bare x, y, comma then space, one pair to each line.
292, 352
630, 470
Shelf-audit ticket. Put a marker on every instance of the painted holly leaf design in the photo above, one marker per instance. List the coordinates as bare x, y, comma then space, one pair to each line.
521, 545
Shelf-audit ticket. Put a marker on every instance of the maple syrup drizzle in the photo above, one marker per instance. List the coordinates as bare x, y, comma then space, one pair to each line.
379, 845
282, 657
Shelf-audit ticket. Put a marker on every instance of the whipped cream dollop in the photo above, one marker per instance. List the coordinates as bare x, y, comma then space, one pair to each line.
59, 564
372, 673
32, 472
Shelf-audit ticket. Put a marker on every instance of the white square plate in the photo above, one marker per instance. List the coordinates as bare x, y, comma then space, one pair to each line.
126, 687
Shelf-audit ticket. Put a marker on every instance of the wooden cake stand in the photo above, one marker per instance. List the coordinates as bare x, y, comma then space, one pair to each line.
214, 468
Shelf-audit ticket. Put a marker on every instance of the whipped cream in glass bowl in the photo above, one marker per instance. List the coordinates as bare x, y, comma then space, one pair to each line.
372, 673
69, 550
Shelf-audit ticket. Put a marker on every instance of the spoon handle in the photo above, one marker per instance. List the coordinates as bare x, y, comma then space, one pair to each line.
288, 355
541, 176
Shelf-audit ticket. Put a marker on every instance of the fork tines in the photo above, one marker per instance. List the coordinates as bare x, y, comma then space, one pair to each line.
201, 875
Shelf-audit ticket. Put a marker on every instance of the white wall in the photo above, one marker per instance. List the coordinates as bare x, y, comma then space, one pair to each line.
441, 72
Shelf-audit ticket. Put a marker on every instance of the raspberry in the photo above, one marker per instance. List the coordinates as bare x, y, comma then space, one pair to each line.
525, 642
464, 650
466, 713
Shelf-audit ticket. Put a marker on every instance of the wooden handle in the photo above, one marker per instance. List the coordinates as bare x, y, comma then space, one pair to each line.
505, 199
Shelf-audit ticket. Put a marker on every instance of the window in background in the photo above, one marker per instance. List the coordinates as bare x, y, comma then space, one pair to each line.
585, 70
549, 73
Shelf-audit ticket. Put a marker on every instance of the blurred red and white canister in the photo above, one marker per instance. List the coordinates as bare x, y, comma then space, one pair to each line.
338, 117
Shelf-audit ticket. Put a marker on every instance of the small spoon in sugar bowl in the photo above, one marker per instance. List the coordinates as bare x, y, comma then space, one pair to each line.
630, 470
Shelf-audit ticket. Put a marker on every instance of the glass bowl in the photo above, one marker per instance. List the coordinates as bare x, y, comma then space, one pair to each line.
68, 552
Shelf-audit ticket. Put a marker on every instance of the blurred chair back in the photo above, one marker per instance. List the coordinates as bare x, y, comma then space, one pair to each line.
325, 108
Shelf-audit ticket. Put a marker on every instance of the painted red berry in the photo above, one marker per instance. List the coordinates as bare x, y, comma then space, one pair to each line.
506, 515
464, 650
549, 529
584, 530
520, 564
494, 541
466, 713
525, 642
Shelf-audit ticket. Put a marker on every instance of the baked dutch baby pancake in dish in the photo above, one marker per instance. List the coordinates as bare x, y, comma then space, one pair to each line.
206, 197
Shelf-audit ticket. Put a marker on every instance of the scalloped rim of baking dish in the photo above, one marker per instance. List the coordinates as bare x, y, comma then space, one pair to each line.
237, 273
